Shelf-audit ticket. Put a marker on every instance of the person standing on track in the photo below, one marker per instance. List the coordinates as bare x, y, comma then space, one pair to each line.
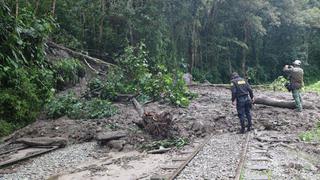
242, 97
295, 74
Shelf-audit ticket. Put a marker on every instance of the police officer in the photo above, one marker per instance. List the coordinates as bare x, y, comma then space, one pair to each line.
295, 74
241, 91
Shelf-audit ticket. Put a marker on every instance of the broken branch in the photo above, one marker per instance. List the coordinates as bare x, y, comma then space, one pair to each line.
79, 55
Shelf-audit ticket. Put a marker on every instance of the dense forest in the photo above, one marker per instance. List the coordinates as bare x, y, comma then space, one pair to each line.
209, 38
157, 39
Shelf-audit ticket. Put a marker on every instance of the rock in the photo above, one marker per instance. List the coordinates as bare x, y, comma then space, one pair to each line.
128, 147
187, 77
200, 127
44, 141
105, 137
296, 166
159, 151
116, 144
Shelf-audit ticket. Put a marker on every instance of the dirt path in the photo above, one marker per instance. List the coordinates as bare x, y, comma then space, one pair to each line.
210, 113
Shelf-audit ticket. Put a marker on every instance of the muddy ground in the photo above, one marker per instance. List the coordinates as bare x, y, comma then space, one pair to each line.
210, 113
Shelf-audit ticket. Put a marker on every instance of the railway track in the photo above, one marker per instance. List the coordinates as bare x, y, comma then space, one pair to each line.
20, 153
252, 160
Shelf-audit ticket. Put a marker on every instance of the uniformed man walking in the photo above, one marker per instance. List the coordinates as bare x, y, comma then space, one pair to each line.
295, 75
242, 96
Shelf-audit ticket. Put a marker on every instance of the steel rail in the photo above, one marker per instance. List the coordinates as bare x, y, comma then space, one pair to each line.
242, 157
17, 160
183, 165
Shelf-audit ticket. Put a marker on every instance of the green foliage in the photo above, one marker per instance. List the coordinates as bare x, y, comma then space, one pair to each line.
6, 128
136, 76
60, 106
104, 89
313, 87
68, 73
92, 109
69, 105
167, 143
26, 80
199, 75
278, 84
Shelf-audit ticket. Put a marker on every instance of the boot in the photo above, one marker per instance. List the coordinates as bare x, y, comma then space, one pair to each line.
241, 131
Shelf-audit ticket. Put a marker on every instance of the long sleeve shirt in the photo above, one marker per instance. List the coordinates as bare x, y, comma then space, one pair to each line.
239, 88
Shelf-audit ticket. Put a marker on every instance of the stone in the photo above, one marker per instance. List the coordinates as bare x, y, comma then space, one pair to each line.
104, 137
187, 77
116, 144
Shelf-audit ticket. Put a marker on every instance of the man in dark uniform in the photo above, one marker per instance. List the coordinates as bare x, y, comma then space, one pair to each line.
241, 91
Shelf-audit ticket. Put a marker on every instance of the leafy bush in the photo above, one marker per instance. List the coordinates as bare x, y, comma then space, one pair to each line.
278, 84
6, 128
69, 105
68, 72
61, 106
109, 87
167, 143
135, 76
93, 109
199, 75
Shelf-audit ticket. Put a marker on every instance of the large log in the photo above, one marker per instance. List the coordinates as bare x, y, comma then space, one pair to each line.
280, 103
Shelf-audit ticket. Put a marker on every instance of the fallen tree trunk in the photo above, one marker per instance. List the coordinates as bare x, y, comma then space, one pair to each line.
80, 55
280, 103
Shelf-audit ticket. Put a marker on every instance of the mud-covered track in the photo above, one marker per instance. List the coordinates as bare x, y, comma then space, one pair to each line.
192, 155
242, 157
18, 154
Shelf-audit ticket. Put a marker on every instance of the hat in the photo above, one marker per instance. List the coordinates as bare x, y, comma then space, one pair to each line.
297, 63
234, 75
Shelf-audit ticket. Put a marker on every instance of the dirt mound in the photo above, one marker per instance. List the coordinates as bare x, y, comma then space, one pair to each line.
73, 130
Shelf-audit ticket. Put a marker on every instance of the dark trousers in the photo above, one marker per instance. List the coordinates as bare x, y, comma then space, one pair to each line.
243, 108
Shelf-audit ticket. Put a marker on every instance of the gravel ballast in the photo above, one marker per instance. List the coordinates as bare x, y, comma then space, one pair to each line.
218, 159
52, 163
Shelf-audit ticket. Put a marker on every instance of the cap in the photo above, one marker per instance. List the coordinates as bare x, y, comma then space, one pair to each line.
297, 62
